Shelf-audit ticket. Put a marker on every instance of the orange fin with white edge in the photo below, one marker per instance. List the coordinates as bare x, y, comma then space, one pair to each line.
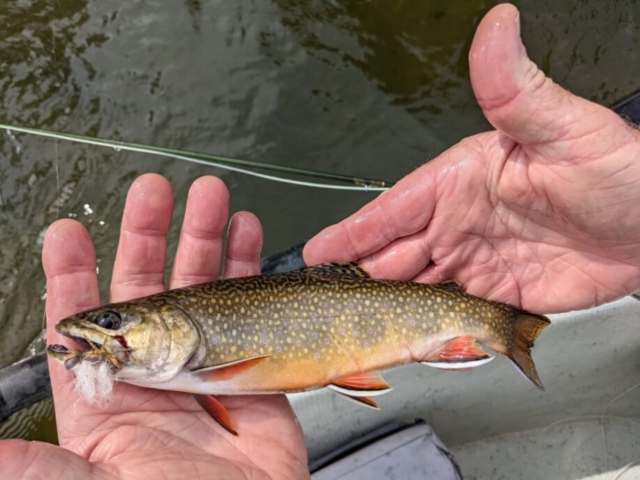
225, 371
364, 401
459, 353
216, 410
360, 385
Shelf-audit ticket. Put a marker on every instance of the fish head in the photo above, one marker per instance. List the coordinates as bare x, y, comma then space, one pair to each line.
141, 341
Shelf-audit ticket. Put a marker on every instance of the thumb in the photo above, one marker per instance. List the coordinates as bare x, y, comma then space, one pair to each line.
516, 96
28, 460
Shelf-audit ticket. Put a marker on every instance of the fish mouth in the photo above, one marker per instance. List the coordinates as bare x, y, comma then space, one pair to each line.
86, 334
83, 343
91, 340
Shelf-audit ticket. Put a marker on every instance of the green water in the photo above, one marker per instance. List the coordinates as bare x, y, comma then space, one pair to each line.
368, 88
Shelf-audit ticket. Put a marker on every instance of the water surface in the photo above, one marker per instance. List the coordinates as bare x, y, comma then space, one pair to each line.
357, 87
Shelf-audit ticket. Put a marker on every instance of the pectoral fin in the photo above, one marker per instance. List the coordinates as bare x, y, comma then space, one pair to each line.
361, 385
216, 410
460, 353
225, 371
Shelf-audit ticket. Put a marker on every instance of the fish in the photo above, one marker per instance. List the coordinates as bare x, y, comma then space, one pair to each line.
329, 325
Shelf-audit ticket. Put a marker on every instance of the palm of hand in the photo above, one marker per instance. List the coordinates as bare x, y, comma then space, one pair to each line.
515, 225
155, 434
538, 213
144, 433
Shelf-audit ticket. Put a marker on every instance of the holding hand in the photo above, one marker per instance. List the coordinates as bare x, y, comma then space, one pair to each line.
145, 433
540, 213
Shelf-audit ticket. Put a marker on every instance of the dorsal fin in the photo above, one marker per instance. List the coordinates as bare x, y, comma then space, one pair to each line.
452, 285
337, 270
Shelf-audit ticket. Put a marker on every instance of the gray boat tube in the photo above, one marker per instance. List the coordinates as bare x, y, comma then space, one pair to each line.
27, 381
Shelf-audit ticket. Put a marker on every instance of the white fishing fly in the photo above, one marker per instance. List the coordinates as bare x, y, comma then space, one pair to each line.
94, 381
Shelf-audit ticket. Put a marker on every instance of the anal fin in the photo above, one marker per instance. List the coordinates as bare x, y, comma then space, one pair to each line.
216, 410
364, 401
459, 353
360, 385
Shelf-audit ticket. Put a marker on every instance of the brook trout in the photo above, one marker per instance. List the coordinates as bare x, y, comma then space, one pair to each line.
325, 326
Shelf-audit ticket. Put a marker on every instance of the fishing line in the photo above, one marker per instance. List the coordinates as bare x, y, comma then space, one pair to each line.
582, 417
357, 184
265, 176
601, 417
626, 468
612, 401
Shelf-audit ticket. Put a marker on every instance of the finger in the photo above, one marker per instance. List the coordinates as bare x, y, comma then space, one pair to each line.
244, 244
401, 211
432, 274
516, 97
140, 260
402, 259
69, 262
200, 247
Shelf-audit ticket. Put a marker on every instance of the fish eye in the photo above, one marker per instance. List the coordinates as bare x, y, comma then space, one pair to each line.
110, 320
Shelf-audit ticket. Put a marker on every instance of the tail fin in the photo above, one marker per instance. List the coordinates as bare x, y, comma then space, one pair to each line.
527, 328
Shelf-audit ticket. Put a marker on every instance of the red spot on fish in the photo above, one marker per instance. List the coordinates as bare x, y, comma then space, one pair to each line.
122, 341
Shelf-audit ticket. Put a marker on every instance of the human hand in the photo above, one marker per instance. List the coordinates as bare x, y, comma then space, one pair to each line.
540, 213
145, 433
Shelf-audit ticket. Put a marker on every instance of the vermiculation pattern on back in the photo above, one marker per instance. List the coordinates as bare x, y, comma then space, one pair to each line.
320, 313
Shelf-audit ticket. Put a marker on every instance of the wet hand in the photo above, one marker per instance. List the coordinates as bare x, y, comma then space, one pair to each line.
540, 213
144, 433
